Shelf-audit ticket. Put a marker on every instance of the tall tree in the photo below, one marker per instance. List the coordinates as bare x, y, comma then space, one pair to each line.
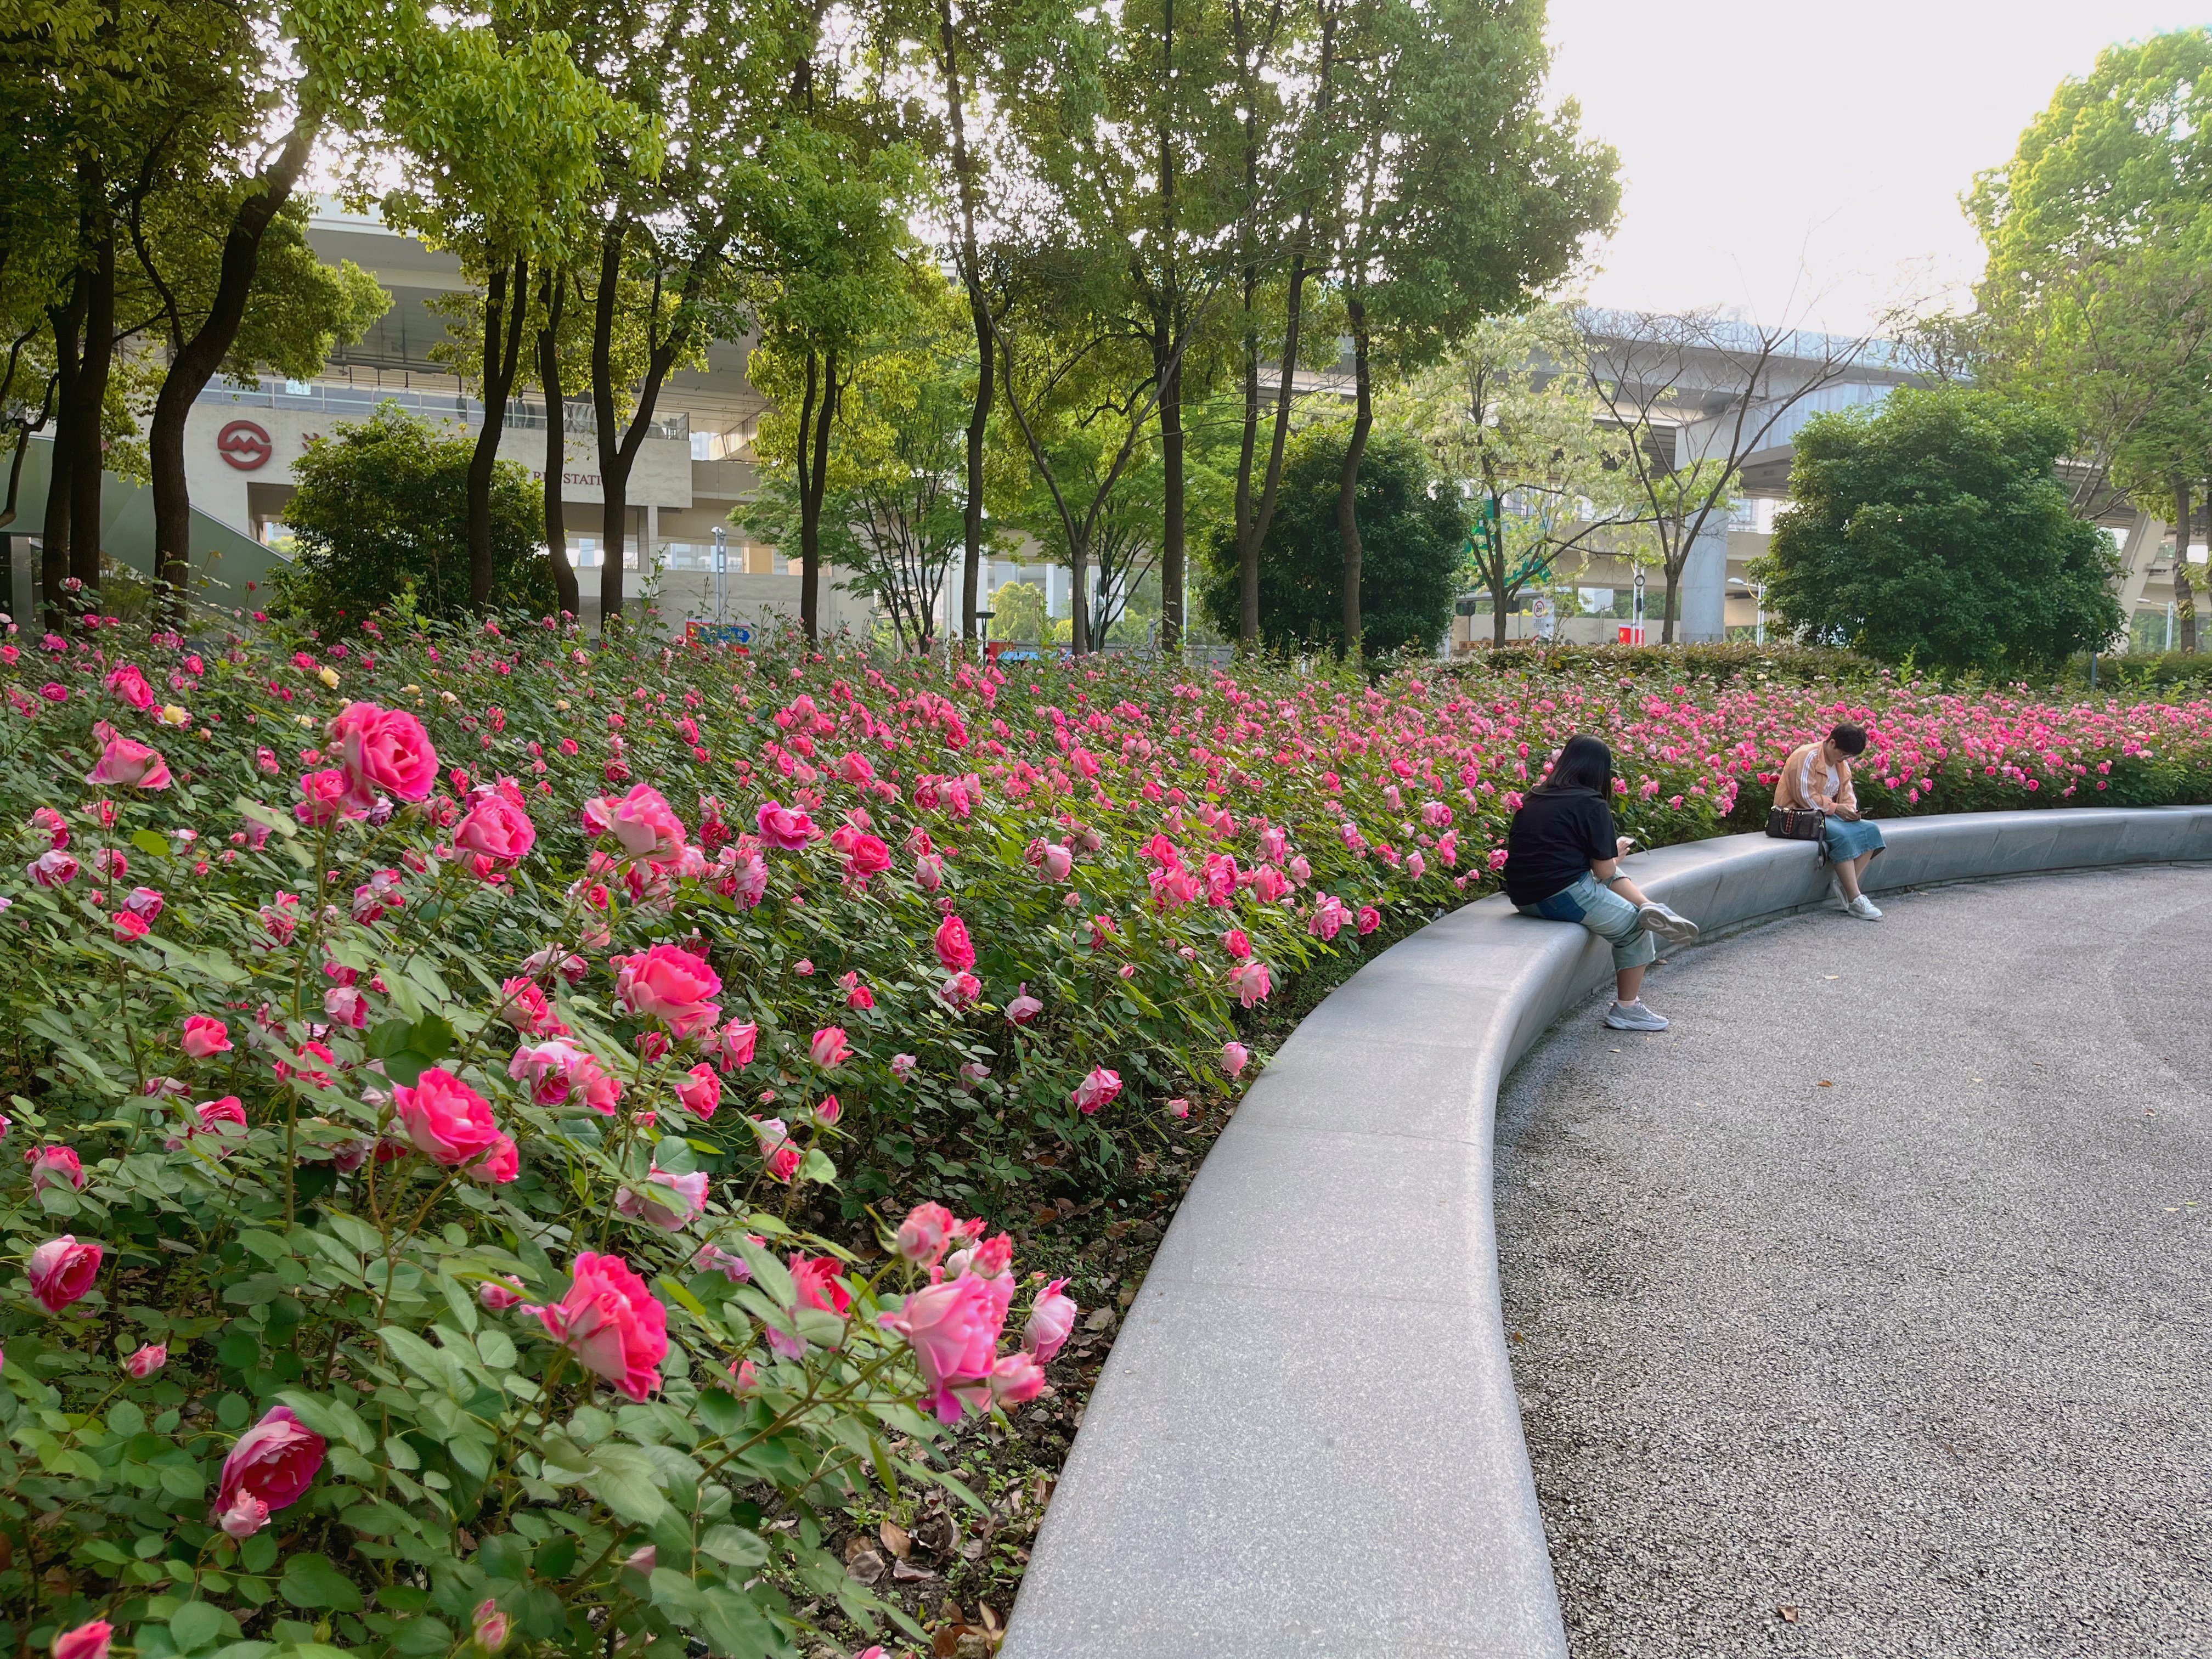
1547, 481
497, 135
1464, 196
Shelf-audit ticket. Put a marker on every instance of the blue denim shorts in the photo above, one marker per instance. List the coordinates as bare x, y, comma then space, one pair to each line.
1606, 913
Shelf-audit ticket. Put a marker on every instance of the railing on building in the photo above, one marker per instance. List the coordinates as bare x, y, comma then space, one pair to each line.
349, 392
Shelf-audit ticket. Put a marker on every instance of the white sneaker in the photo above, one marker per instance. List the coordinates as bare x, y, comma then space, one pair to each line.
1634, 1017
1863, 908
1656, 917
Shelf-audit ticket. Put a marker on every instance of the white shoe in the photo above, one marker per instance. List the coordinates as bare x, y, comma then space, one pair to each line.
1634, 1017
1863, 908
1656, 917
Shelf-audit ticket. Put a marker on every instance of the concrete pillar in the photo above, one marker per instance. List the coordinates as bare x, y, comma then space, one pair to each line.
1701, 613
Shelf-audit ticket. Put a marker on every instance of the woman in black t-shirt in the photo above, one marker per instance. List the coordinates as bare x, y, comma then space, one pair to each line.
1562, 863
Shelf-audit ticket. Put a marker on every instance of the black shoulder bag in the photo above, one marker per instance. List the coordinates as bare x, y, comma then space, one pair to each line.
1795, 822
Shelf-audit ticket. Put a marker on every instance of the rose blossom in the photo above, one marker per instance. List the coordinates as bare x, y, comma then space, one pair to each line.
643, 822
1250, 982
1015, 1380
52, 868
54, 1166
903, 1066
86, 1641
699, 1091
274, 1461
777, 1149
1233, 1058
1096, 1090
385, 751
660, 1209
62, 1270
127, 764
785, 830
1049, 1322
733, 1049
204, 1036
960, 990
147, 1360
246, 1516
929, 873
490, 1627
499, 1294
669, 983
829, 1048
818, 1284
954, 948
323, 798
497, 828
612, 1323
1024, 1007
954, 1332
450, 1124
923, 1235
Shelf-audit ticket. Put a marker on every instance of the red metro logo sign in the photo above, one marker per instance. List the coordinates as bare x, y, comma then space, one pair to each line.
245, 444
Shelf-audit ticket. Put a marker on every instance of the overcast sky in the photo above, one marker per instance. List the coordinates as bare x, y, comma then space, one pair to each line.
1803, 163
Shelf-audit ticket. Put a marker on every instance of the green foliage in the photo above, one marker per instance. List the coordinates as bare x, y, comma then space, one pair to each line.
1414, 534
379, 520
1934, 528
1018, 612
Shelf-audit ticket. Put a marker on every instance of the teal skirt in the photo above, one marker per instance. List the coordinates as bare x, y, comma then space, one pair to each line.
1846, 840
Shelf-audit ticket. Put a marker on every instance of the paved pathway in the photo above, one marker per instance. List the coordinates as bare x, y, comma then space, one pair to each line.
1868, 1310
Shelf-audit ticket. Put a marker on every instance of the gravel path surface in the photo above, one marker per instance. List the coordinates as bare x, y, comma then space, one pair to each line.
1866, 1311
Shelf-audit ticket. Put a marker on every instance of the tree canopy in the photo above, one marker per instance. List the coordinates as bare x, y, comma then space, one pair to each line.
1934, 528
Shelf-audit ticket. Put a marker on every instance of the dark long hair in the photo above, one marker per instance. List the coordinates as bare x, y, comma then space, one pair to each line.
1584, 763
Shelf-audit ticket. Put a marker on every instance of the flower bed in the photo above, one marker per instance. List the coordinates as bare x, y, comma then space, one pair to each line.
490, 1104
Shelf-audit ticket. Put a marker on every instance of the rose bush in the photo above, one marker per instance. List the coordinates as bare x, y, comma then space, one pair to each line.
442, 1061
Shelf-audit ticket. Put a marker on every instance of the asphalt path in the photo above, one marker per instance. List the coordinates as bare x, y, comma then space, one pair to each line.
1867, 1310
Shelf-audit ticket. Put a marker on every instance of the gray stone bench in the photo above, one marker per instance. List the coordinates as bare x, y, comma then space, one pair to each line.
1306, 1441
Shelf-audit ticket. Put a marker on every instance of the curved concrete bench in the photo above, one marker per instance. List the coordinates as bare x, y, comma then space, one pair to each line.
1307, 1440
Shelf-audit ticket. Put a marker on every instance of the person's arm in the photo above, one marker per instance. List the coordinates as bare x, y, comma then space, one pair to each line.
1812, 775
1600, 829
1847, 798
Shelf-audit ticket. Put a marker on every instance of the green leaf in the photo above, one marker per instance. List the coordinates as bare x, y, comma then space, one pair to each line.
280, 822
384, 1039
125, 1419
433, 1035
406, 1067
622, 1477
418, 1637
733, 1547
817, 1166
674, 1590
437, 1369
734, 1624
310, 1581
195, 1625
154, 844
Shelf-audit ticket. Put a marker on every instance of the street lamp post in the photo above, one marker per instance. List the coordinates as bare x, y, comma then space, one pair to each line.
721, 570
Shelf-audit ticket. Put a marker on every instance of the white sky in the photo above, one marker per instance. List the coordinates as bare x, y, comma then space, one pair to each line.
1802, 162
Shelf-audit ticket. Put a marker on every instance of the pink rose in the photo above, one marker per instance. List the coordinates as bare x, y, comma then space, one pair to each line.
499, 1294
1329, 916
498, 829
699, 1091
525, 1009
929, 873
733, 1049
54, 1166
955, 1337
612, 1323
960, 990
1015, 1380
669, 983
785, 830
1233, 1055
777, 1149
866, 856
1251, 981
1024, 1007
1096, 1090
323, 798
145, 902
346, 1005
246, 1516
147, 1360
643, 822
1049, 1322
490, 1626
954, 948
62, 1270
1369, 918
903, 1066
385, 751
127, 764
220, 1117
52, 868
85, 1642
828, 1047
274, 1461
669, 1202
826, 1111
1235, 942
1056, 863
204, 1036
922, 1236
450, 1124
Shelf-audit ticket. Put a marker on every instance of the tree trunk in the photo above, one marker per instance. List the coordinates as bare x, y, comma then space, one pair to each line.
54, 544
2185, 593
816, 413
92, 371
1347, 487
971, 276
552, 291
193, 363
1078, 598
1667, 599
1171, 515
614, 515
506, 304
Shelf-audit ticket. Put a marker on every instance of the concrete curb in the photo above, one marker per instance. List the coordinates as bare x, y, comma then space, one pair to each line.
1306, 1440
